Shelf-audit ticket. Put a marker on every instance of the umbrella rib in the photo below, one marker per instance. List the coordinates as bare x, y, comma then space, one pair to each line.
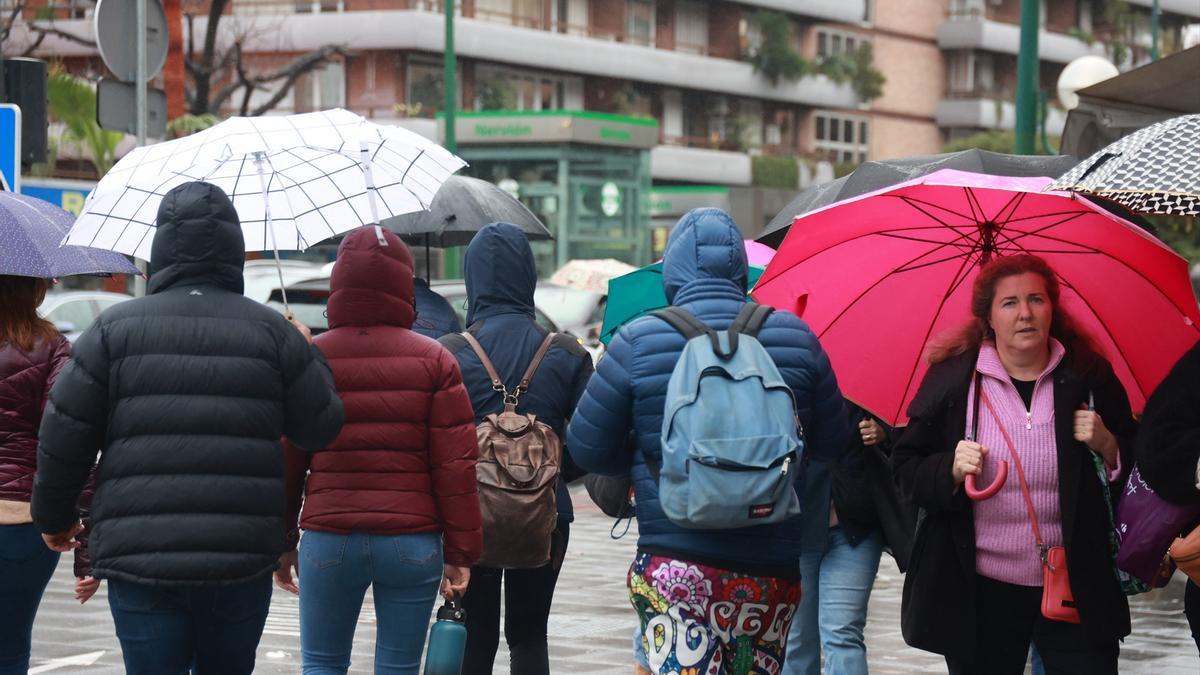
903, 267
912, 372
328, 177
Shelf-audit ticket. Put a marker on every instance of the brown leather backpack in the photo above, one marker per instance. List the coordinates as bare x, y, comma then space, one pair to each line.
519, 459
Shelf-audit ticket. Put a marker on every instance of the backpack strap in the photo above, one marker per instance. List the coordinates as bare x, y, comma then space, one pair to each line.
497, 383
685, 322
750, 319
537, 361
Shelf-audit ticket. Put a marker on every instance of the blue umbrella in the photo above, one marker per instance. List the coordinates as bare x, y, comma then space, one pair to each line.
30, 232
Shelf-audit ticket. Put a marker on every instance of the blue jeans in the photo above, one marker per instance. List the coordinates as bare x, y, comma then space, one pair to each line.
167, 630
835, 587
335, 571
26, 566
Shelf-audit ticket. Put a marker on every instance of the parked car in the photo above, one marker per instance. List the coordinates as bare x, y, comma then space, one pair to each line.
72, 312
261, 276
307, 300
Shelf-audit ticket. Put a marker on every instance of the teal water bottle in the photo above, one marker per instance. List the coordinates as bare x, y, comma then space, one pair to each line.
447, 640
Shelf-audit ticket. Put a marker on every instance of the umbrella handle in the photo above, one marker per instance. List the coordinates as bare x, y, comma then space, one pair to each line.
991, 490
262, 181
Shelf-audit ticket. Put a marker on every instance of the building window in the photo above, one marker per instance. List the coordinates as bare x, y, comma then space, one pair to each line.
425, 93
836, 42
750, 37
525, 13
499, 88
288, 6
691, 27
843, 138
572, 17
321, 88
967, 9
639, 25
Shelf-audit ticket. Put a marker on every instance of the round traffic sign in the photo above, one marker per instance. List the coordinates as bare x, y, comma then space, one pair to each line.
115, 22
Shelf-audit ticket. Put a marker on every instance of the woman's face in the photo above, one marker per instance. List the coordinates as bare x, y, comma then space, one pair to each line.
1021, 313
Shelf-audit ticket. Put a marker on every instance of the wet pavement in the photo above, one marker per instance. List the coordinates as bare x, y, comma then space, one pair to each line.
591, 625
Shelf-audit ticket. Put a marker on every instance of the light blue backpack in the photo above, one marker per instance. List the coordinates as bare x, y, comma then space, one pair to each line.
730, 442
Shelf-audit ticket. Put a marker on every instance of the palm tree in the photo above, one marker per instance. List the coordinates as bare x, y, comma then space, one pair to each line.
73, 103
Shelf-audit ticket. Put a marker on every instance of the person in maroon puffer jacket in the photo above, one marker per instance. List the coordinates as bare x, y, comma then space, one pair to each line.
392, 502
32, 352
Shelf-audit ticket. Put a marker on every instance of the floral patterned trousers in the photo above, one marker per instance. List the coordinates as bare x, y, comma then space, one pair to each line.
701, 620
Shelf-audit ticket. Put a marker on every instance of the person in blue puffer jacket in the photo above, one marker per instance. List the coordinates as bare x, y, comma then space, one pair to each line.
501, 278
704, 597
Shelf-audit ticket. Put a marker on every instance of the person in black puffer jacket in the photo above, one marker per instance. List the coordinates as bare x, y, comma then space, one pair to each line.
186, 393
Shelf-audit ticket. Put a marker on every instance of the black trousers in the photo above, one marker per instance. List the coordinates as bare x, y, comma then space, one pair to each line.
527, 598
1009, 617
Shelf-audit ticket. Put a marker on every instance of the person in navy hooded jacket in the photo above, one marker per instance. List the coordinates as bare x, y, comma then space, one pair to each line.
704, 597
501, 277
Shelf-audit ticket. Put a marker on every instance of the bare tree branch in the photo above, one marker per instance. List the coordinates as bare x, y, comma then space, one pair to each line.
293, 71
33, 47
43, 31
6, 28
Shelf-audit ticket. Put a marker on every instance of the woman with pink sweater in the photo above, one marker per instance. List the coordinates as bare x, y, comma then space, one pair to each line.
1018, 391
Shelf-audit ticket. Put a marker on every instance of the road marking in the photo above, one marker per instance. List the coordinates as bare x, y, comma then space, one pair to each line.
77, 660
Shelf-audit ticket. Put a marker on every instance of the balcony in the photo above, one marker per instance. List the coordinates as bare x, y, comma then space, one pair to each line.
843, 11
498, 42
990, 113
696, 165
971, 31
1182, 7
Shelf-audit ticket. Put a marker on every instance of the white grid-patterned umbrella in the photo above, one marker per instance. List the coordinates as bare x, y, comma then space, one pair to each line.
310, 176
1153, 170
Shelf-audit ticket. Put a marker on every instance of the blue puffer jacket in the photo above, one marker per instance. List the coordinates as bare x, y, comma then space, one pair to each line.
435, 316
501, 277
704, 272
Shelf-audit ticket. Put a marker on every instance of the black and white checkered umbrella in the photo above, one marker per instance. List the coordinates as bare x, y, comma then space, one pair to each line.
295, 180
1154, 170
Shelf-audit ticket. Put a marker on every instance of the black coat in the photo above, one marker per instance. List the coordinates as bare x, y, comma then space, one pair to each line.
938, 610
185, 393
1169, 443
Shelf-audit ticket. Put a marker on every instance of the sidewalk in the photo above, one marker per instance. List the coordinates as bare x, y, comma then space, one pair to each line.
591, 626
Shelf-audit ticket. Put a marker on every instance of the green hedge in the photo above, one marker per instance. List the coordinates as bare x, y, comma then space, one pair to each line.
775, 171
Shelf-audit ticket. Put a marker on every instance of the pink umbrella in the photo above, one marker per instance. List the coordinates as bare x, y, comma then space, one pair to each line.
757, 254
885, 272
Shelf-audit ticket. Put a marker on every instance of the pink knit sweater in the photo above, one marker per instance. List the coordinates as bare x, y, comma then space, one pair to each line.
1005, 547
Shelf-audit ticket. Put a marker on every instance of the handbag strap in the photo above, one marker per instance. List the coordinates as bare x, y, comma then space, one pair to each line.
1012, 451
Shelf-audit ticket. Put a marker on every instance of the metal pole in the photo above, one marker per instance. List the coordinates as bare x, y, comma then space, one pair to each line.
450, 82
449, 79
139, 282
1154, 31
1027, 78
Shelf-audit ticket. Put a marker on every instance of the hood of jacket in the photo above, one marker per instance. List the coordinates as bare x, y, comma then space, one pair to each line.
705, 248
500, 273
198, 240
372, 281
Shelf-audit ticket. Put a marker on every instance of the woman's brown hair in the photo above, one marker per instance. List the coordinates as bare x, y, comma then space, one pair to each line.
20, 324
975, 331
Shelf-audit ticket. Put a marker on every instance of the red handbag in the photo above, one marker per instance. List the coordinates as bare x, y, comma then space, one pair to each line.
1058, 604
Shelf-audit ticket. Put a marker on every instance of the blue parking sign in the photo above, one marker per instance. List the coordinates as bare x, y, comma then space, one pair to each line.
10, 147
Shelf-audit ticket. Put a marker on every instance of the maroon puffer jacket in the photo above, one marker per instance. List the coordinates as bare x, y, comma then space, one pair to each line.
25, 380
405, 460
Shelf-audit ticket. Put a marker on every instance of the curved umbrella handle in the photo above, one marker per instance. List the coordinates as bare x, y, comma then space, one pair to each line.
991, 490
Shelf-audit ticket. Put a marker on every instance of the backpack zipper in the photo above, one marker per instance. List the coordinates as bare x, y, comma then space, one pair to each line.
784, 462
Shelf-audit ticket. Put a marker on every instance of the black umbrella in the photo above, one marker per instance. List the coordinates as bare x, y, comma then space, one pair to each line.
460, 208
876, 175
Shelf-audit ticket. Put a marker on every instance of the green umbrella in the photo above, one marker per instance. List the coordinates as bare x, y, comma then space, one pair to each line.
640, 292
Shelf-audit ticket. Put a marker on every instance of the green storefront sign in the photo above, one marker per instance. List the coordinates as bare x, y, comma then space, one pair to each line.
586, 175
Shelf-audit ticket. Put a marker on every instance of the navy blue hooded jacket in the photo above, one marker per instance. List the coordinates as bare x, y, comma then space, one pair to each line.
704, 272
501, 277
435, 316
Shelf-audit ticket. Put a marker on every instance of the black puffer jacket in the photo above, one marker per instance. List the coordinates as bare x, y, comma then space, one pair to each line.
186, 392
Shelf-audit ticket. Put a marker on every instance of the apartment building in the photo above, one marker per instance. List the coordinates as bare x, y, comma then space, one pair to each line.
724, 124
